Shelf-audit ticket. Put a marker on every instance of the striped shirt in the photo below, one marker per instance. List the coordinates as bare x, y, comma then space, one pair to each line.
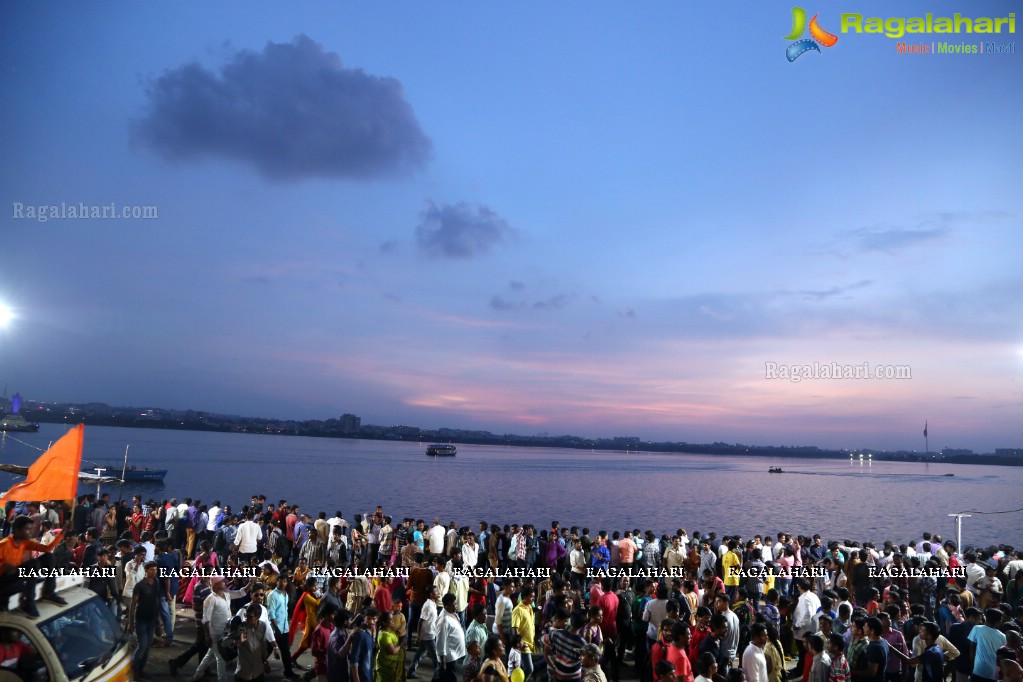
566, 651
839, 669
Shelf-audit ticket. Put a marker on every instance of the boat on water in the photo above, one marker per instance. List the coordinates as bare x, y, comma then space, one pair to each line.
83, 476
15, 423
950, 474
441, 450
135, 474
775, 470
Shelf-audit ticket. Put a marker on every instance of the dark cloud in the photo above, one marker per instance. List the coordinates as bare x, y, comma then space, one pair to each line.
553, 303
390, 246
499, 303
895, 239
929, 228
293, 111
820, 295
628, 312
556, 302
460, 230
516, 285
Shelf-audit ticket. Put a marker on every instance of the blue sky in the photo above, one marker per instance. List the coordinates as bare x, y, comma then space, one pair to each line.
574, 217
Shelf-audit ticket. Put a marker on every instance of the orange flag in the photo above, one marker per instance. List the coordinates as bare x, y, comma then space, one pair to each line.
54, 476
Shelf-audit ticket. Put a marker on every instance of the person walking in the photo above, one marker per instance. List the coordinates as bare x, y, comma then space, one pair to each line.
143, 615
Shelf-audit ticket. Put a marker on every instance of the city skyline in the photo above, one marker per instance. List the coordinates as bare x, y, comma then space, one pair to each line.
581, 219
350, 425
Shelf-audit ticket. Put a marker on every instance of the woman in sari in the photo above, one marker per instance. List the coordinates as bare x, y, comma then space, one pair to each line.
152, 522
205, 562
135, 523
109, 532
390, 657
493, 668
304, 616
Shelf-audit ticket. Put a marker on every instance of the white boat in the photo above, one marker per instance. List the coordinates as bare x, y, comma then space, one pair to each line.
441, 450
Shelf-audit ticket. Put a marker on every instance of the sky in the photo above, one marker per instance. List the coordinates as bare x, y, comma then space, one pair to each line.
591, 218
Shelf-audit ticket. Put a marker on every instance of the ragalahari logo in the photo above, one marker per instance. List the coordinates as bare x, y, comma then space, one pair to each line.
804, 45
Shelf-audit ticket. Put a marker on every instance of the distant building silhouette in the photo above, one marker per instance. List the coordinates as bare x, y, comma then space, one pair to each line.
350, 423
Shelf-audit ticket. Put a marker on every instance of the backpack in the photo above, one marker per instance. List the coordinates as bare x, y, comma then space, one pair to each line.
228, 644
746, 613
219, 541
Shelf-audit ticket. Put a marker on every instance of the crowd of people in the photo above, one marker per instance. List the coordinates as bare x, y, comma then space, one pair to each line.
372, 598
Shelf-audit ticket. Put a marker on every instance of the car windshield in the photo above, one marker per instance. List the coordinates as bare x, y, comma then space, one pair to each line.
83, 636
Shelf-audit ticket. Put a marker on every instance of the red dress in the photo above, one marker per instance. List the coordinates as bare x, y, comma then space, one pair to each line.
136, 526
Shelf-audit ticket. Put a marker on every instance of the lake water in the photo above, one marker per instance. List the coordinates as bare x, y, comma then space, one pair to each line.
602, 490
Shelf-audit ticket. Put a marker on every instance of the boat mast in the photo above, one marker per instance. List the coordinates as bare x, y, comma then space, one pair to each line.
124, 470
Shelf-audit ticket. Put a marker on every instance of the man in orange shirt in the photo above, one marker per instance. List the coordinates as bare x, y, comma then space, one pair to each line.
19, 571
627, 552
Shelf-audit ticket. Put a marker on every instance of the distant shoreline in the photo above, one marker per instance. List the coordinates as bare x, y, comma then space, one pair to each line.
197, 421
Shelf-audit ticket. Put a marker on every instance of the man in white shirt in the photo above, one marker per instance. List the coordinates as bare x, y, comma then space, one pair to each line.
778, 548
211, 525
450, 641
807, 605
754, 662
974, 572
134, 571
170, 516
246, 538
442, 581
803, 618
578, 562
428, 622
147, 542
338, 520
436, 537
216, 614
1014, 565
470, 551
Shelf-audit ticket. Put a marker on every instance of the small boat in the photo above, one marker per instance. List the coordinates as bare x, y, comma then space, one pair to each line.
15, 423
775, 470
441, 450
950, 474
83, 476
133, 474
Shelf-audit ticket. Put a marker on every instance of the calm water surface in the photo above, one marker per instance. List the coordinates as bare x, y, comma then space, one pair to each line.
602, 490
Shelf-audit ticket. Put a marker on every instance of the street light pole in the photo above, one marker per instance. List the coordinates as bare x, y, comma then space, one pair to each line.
959, 529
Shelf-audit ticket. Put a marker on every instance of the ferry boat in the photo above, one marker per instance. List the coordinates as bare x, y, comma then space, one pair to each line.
441, 450
775, 470
13, 423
